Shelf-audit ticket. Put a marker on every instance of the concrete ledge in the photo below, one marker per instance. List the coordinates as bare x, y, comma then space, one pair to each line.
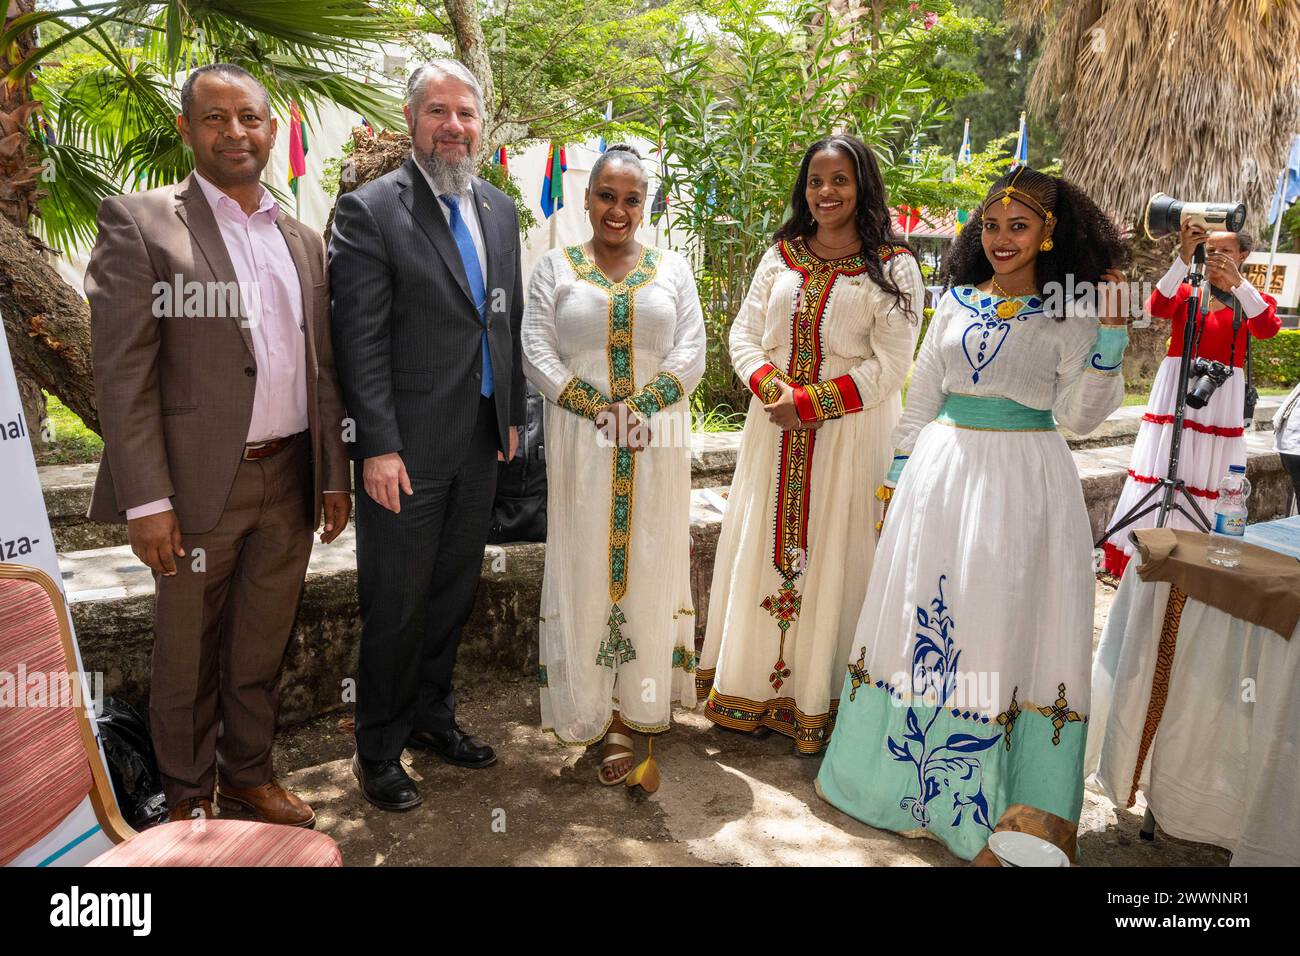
67, 487
112, 594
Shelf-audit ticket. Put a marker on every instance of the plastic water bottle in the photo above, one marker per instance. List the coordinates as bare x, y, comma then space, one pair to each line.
1229, 518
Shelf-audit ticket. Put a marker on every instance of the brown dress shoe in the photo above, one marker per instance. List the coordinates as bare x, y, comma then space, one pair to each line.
194, 808
270, 803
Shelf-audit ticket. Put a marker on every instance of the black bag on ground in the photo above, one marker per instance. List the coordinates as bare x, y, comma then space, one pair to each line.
131, 764
519, 512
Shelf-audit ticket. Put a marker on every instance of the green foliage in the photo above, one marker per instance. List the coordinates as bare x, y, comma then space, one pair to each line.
1276, 361
1003, 61
71, 442
717, 418
740, 106
557, 63
108, 82
503, 181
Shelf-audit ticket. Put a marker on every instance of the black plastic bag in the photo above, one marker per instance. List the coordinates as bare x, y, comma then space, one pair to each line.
132, 765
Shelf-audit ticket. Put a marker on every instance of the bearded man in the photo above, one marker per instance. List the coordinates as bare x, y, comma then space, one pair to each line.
427, 303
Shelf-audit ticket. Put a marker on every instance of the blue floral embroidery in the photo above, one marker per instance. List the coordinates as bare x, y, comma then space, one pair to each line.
1097, 364
988, 325
950, 766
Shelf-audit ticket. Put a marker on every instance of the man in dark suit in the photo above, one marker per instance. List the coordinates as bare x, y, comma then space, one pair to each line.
428, 299
223, 443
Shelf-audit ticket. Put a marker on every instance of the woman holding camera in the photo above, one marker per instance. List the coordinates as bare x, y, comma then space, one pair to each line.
1212, 434
969, 675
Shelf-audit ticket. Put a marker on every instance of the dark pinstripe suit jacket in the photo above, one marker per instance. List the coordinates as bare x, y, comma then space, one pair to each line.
407, 338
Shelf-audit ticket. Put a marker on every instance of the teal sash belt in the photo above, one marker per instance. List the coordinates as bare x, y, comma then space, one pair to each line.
994, 414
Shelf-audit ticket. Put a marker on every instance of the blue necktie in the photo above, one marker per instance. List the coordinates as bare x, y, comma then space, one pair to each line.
474, 273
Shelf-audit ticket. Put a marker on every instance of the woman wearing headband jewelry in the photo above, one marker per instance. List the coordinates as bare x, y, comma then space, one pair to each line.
968, 679
824, 339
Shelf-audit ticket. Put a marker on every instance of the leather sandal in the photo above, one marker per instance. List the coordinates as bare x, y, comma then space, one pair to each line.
625, 752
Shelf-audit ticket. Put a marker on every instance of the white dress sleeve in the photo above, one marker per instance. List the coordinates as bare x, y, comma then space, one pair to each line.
746, 338
1089, 377
543, 364
683, 367
925, 392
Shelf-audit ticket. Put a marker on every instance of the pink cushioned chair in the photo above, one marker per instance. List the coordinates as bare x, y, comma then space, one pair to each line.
49, 762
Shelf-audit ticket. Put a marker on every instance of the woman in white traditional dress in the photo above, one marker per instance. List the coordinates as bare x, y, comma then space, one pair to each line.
968, 680
824, 339
614, 337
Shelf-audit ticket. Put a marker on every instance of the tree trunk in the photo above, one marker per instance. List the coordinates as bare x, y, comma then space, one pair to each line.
48, 325
472, 50
19, 193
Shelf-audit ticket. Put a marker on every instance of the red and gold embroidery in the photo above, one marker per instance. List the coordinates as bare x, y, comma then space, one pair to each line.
794, 488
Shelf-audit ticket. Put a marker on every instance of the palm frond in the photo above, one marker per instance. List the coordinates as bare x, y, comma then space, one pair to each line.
1162, 95
77, 181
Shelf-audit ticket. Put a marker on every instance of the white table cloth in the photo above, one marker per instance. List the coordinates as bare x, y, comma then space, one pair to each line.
1223, 766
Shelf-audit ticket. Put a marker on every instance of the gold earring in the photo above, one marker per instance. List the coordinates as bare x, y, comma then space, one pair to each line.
1046, 245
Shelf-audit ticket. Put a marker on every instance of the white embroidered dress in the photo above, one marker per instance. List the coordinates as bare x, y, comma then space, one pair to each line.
968, 679
617, 625
798, 536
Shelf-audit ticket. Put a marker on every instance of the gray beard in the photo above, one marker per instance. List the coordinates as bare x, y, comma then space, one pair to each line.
447, 177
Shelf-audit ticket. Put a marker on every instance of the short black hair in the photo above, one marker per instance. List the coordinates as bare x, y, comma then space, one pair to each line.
222, 69
1245, 241
622, 153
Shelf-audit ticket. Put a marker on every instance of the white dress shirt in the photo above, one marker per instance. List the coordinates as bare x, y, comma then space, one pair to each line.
468, 212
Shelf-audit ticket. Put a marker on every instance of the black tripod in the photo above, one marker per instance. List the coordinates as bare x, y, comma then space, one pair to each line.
1171, 488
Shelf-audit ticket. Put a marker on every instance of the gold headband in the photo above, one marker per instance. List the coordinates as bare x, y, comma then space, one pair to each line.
1010, 192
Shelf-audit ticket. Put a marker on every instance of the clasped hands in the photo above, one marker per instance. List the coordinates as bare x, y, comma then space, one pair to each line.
622, 427
783, 413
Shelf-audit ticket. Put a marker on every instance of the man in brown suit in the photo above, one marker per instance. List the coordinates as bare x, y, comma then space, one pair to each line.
223, 438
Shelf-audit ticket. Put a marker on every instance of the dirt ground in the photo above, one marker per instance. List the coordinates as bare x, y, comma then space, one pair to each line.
726, 799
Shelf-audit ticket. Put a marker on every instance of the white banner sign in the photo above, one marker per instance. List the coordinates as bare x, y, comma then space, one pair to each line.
25, 538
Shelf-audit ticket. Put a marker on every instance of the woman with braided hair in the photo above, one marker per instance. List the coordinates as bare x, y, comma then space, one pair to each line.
968, 679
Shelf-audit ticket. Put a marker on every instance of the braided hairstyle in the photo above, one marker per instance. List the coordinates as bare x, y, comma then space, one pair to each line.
875, 226
1085, 242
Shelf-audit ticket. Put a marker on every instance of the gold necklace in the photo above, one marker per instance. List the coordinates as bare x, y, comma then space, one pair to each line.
1009, 306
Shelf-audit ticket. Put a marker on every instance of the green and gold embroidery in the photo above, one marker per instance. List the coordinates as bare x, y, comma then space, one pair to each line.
582, 399
660, 392
622, 384
685, 658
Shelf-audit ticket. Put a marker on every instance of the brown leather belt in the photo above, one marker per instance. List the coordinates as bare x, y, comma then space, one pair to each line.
265, 449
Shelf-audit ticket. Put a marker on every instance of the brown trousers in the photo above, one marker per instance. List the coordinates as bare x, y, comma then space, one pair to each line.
221, 627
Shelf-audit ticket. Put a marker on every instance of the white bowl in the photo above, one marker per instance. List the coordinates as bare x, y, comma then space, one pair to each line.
1025, 849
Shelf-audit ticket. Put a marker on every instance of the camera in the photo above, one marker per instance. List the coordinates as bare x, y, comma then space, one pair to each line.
1165, 215
1205, 376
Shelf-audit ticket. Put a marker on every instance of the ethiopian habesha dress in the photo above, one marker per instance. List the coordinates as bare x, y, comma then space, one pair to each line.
1213, 436
617, 628
797, 539
968, 680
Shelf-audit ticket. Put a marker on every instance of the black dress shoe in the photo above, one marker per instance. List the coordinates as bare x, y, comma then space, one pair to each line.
454, 746
385, 783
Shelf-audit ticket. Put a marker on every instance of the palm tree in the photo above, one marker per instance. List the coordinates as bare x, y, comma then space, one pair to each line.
1199, 100
112, 125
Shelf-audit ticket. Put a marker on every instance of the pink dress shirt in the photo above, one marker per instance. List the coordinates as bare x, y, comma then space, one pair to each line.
270, 294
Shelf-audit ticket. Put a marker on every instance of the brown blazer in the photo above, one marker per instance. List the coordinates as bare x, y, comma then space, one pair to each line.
175, 390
